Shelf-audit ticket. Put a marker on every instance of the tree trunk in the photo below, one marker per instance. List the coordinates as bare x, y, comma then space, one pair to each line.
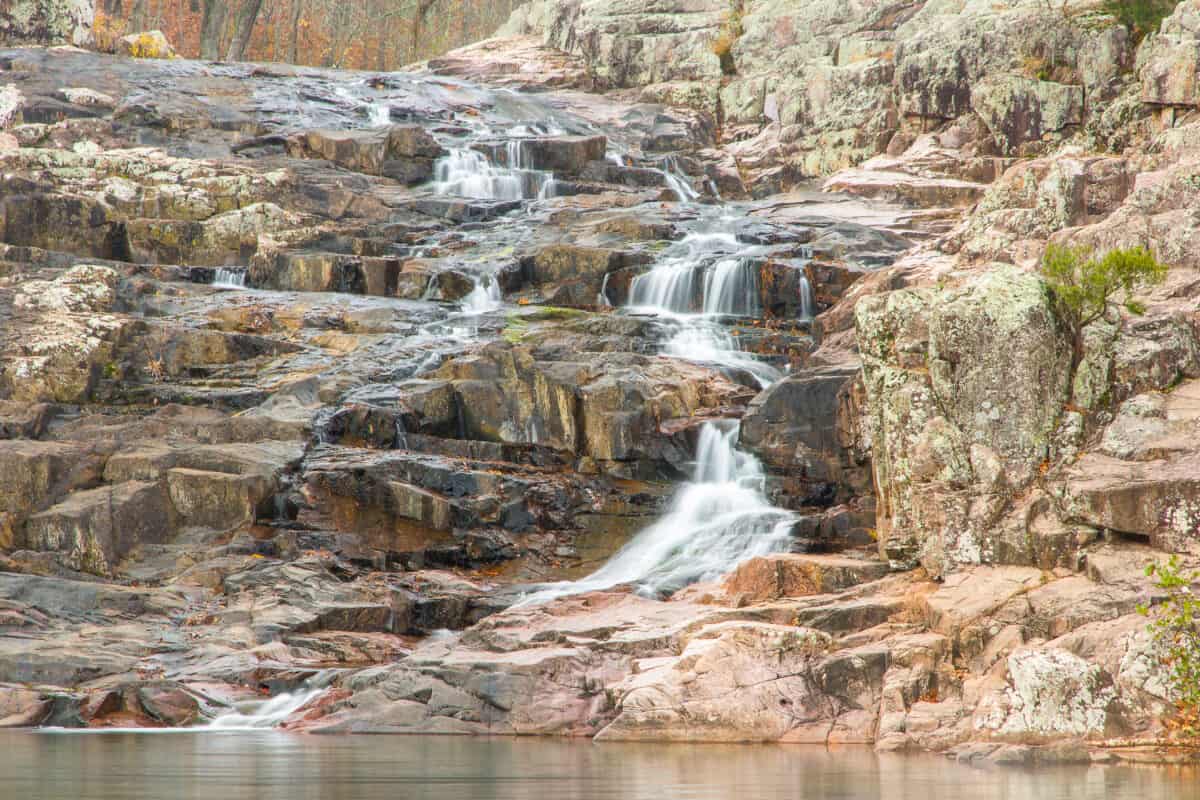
243, 27
422, 11
297, 15
137, 17
211, 28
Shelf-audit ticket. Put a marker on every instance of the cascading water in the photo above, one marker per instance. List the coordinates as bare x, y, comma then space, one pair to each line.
484, 297
269, 713
677, 182
701, 272
229, 278
722, 516
466, 172
731, 288
718, 520
807, 302
379, 115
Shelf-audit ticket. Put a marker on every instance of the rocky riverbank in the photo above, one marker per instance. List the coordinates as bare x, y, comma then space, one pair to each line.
335, 385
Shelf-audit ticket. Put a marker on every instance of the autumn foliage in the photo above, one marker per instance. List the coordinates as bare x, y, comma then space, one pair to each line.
365, 34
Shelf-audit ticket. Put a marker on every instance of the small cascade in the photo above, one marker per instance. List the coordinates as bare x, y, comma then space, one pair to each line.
229, 278
731, 288
680, 283
678, 182
484, 297
379, 115
668, 287
671, 285
808, 303
270, 713
716, 521
466, 172
602, 298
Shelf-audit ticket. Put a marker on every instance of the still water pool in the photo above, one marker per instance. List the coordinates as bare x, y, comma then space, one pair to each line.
279, 766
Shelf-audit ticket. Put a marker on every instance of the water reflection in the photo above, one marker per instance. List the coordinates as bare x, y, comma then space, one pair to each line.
270, 766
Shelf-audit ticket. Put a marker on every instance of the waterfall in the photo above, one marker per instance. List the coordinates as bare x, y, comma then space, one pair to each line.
465, 172
731, 288
716, 521
602, 298
229, 278
379, 115
484, 297
677, 181
722, 516
807, 302
680, 283
267, 713
671, 285
667, 287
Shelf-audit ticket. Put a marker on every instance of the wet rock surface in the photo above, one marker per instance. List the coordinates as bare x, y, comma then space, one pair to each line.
330, 387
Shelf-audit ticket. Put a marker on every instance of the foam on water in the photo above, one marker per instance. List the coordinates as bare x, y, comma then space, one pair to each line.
716, 521
267, 713
229, 278
484, 297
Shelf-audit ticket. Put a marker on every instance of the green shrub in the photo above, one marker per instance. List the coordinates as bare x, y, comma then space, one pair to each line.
1177, 639
1140, 17
1083, 285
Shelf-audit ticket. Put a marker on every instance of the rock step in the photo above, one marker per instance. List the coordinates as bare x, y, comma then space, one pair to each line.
795, 575
96, 528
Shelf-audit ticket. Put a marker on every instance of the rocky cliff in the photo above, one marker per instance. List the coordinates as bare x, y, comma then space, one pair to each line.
47, 22
345, 380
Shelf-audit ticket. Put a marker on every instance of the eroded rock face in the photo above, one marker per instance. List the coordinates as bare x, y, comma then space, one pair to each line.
48, 22
961, 415
837, 83
364, 461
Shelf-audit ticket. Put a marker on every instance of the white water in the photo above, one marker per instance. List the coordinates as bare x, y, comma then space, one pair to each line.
677, 182
484, 297
379, 114
670, 286
731, 287
465, 172
681, 282
266, 713
721, 517
716, 521
229, 278
808, 303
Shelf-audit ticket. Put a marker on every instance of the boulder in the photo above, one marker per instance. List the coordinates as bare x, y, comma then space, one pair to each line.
218, 500
1021, 110
792, 575
1051, 694
804, 426
148, 44
48, 22
965, 387
93, 530
403, 152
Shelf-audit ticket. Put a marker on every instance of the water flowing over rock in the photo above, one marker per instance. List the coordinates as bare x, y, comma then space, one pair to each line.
532, 391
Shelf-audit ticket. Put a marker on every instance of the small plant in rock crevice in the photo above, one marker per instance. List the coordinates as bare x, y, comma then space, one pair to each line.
1176, 631
1139, 17
731, 31
1084, 285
